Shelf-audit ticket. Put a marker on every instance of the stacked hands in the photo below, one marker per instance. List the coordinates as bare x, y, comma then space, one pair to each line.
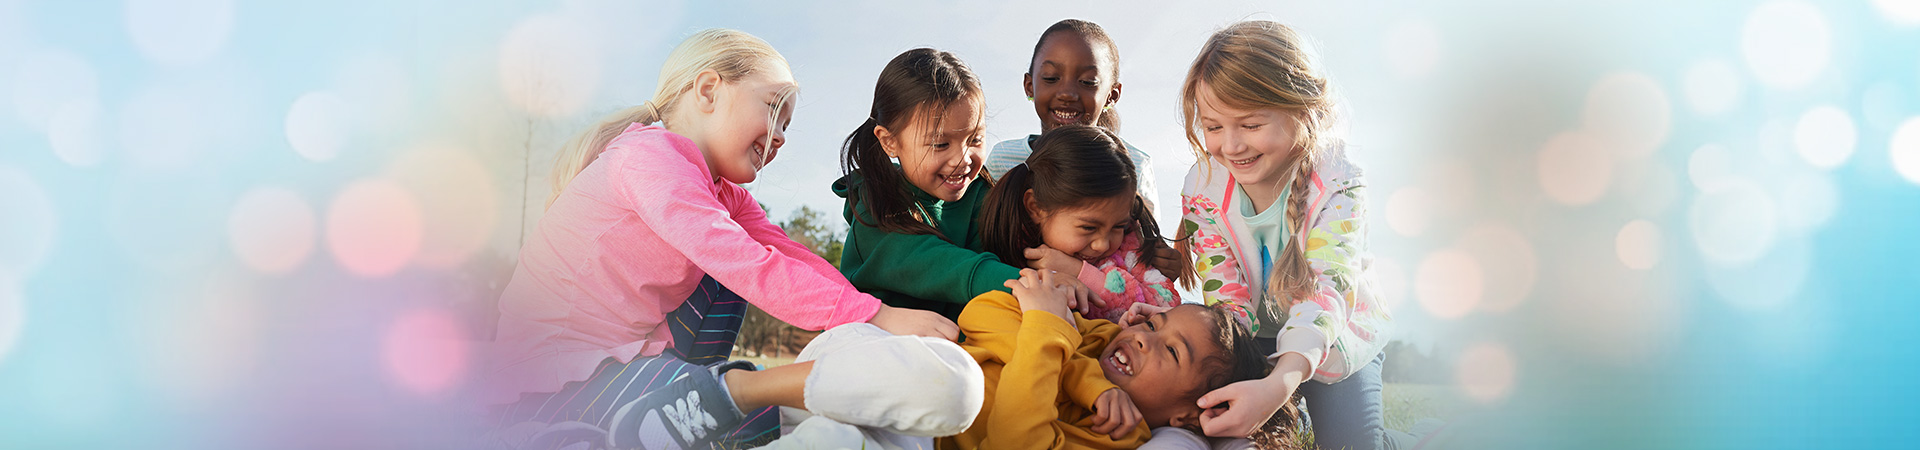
1237, 409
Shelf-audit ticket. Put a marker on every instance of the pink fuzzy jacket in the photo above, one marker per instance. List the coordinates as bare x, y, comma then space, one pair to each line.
625, 244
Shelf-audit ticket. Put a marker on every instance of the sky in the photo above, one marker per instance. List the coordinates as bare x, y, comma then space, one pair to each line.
1635, 223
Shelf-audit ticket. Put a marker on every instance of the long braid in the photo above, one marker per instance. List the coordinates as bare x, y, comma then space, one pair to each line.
1292, 279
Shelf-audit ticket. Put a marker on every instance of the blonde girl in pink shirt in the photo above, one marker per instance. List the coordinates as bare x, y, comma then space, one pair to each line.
624, 305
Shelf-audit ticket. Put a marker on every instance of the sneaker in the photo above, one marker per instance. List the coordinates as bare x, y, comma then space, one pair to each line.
690, 412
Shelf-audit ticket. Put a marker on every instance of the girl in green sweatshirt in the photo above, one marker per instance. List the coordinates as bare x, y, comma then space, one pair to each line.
914, 239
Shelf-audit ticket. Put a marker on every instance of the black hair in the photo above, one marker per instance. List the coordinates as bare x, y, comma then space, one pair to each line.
922, 79
1099, 38
1240, 360
1070, 166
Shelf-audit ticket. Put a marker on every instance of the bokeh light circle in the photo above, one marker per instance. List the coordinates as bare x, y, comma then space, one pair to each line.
425, 351
1449, 283
1733, 225
374, 228
457, 200
271, 229
1712, 87
1638, 245
1574, 168
1409, 211
1904, 150
1630, 112
1825, 137
1487, 372
1807, 201
47, 80
1786, 43
1500, 249
1710, 167
318, 125
179, 32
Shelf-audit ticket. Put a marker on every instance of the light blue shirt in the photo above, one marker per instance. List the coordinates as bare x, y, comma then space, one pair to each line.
1012, 152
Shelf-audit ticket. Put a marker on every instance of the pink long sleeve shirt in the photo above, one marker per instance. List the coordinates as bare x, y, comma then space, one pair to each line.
626, 243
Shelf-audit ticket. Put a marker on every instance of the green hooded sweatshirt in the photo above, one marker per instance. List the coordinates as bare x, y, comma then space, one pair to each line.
922, 271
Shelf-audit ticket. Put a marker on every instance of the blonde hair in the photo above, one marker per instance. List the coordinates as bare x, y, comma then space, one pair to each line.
1257, 65
732, 54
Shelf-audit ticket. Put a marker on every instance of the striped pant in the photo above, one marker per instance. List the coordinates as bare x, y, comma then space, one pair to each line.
703, 328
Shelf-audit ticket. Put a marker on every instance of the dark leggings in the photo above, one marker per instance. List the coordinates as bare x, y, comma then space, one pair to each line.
703, 329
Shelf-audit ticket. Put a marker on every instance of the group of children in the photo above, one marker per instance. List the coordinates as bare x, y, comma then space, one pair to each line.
1023, 299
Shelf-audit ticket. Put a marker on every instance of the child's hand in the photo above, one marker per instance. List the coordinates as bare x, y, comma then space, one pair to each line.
1046, 258
1139, 312
902, 321
1042, 291
1114, 413
1238, 409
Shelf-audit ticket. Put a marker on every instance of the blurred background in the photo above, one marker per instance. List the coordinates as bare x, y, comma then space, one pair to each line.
1640, 224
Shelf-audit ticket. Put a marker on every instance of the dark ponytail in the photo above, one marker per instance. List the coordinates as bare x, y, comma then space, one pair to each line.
1070, 166
1006, 228
919, 81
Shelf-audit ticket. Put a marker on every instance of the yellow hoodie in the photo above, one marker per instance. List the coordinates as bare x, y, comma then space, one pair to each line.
1042, 379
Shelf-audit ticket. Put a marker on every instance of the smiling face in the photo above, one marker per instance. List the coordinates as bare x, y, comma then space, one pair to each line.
1070, 82
1090, 231
942, 149
1162, 364
1253, 144
749, 125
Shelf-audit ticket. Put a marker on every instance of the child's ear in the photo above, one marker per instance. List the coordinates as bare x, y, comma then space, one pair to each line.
1188, 418
1113, 95
1026, 82
706, 90
888, 142
1033, 208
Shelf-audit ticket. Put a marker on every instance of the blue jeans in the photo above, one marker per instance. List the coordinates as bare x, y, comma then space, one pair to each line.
1349, 414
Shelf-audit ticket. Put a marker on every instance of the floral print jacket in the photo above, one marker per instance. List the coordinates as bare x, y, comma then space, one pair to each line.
1339, 327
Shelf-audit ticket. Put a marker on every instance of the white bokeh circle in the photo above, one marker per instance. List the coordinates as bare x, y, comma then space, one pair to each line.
318, 125
1904, 150
1786, 43
179, 32
1902, 12
1807, 201
1710, 167
272, 230
74, 133
1734, 225
1712, 87
1825, 137
49, 79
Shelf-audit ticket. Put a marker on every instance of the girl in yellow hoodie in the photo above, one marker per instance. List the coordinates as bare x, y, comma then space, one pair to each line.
1056, 380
